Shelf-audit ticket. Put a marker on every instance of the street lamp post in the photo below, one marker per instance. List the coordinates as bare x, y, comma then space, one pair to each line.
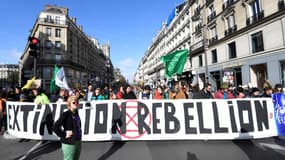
205, 42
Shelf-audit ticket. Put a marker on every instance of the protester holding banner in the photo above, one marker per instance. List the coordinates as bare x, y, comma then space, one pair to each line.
3, 125
267, 92
18, 93
97, 95
89, 93
204, 93
113, 96
278, 88
11, 94
177, 92
146, 93
129, 93
41, 97
158, 93
224, 92
70, 135
255, 93
61, 95
120, 93
27, 96
166, 91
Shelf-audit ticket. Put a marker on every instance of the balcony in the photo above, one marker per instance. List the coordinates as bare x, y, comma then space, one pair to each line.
231, 30
213, 40
196, 15
253, 19
198, 28
52, 21
211, 16
281, 5
228, 4
196, 48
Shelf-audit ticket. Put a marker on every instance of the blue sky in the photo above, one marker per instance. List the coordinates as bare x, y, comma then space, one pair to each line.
128, 25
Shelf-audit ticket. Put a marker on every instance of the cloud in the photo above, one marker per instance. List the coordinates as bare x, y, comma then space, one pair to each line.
11, 56
128, 67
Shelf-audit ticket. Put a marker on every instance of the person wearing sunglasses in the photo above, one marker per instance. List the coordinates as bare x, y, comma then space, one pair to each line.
68, 128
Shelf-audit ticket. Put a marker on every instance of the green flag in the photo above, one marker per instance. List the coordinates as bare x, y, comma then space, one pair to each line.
174, 62
52, 82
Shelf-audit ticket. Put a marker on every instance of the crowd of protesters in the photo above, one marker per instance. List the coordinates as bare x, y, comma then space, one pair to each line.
178, 90
71, 136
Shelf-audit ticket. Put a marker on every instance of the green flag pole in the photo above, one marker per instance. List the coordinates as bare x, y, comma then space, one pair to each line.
52, 82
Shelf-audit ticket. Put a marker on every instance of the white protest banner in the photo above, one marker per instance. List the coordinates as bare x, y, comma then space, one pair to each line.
150, 119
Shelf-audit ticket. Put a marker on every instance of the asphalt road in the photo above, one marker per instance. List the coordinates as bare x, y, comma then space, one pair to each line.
262, 149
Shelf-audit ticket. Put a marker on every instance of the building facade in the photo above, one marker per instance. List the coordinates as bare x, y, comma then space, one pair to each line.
174, 35
245, 42
237, 41
64, 43
8, 75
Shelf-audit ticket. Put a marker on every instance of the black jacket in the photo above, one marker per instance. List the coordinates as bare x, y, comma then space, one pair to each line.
130, 95
203, 95
68, 122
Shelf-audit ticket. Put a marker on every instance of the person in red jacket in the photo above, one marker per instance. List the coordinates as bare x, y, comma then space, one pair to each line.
224, 92
3, 122
120, 93
158, 94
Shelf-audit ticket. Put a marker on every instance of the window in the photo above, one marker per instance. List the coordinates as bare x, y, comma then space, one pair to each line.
281, 4
47, 73
213, 32
57, 44
58, 58
232, 50
255, 12
211, 13
48, 44
200, 61
57, 32
57, 20
48, 19
255, 7
48, 32
214, 56
257, 42
227, 3
231, 21
230, 25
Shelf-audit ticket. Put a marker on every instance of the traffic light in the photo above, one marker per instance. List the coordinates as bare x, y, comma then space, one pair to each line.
34, 46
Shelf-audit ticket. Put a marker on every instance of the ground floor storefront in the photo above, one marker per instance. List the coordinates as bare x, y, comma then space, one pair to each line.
251, 71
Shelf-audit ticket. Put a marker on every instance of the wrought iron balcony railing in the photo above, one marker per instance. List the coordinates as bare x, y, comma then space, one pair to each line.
230, 30
255, 18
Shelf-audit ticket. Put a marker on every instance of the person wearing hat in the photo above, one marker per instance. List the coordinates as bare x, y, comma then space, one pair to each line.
68, 128
255, 93
224, 92
278, 88
267, 92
